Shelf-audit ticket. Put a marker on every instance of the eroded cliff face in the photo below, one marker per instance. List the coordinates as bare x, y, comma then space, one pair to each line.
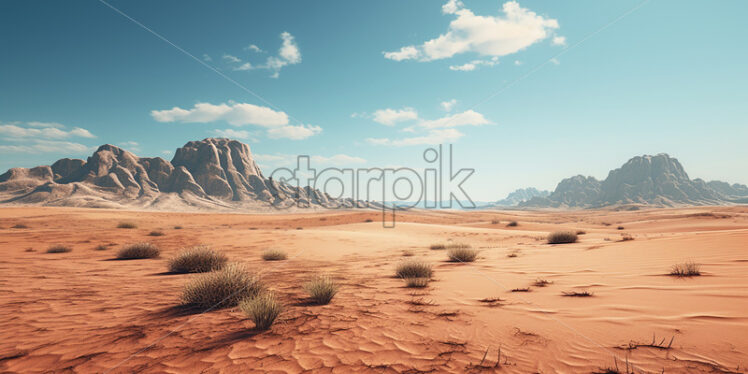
203, 174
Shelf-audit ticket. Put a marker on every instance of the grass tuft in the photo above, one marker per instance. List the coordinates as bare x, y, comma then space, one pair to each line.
262, 310
414, 269
583, 293
561, 237
198, 259
321, 289
417, 282
222, 288
156, 233
274, 254
686, 269
540, 282
512, 224
462, 254
126, 225
19, 226
525, 289
138, 251
59, 248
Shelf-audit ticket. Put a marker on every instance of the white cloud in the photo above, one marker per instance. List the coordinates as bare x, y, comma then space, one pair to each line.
231, 58
559, 40
516, 29
555, 61
405, 53
236, 114
294, 132
235, 134
472, 65
390, 117
448, 105
288, 54
464, 67
37, 130
466, 118
255, 48
45, 146
517, 62
207, 58
435, 136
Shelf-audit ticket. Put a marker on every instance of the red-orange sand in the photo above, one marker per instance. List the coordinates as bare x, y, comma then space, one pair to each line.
81, 312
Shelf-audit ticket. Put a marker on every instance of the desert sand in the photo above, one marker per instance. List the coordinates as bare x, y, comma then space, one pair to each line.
82, 312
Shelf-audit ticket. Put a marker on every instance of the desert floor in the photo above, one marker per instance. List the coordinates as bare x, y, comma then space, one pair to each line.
83, 312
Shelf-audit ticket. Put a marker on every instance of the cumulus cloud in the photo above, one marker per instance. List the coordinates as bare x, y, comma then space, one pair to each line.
448, 105
559, 40
288, 54
389, 117
472, 65
294, 132
43, 130
236, 114
234, 134
466, 118
436, 131
45, 146
504, 34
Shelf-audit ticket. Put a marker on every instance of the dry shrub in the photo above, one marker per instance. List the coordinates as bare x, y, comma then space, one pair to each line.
156, 233
462, 254
274, 254
59, 248
126, 225
321, 289
417, 282
512, 224
19, 226
619, 228
540, 282
626, 237
222, 288
198, 259
262, 310
437, 246
138, 251
369, 220
414, 269
524, 289
561, 237
583, 293
686, 269
178, 227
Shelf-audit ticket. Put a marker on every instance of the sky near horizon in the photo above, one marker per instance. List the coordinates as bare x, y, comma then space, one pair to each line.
528, 92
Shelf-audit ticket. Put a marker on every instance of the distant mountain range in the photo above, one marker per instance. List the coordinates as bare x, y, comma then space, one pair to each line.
207, 174
644, 180
221, 174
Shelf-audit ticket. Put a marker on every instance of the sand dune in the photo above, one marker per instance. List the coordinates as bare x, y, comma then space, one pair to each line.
82, 312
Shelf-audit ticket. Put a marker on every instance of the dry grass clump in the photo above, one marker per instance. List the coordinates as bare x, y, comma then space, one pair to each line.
522, 289
59, 248
417, 282
222, 288
198, 259
321, 289
156, 233
178, 227
19, 226
561, 237
583, 293
274, 254
462, 254
262, 310
126, 225
686, 269
512, 224
138, 251
540, 282
414, 269
437, 246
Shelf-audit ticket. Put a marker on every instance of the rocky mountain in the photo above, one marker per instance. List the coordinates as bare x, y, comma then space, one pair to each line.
518, 196
211, 173
648, 180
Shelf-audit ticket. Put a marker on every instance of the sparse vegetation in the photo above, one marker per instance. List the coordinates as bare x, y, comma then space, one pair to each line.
126, 225
178, 227
686, 269
522, 289
512, 254
101, 247
368, 220
582, 293
19, 226
222, 288
581, 232
417, 282
619, 228
138, 251
540, 282
274, 254
198, 259
561, 237
414, 269
59, 248
156, 233
463, 254
262, 310
438, 246
626, 237
512, 224
321, 289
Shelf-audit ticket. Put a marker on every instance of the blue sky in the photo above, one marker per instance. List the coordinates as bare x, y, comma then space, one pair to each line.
364, 84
